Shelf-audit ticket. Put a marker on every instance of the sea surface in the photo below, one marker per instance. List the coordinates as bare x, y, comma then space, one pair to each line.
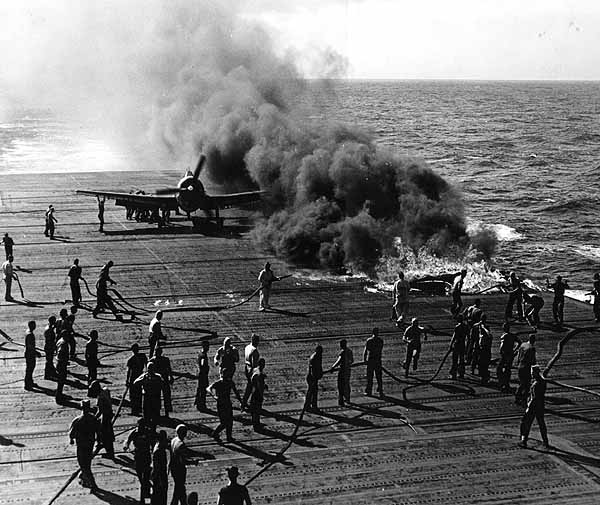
525, 155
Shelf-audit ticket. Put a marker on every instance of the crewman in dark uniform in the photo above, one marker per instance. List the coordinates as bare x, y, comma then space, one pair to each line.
458, 345
50, 348
62, 362
221, 391
234, 493
558, 304
515, 295
103, 299
180, 458
315, 373
160, 475
84, 430
50, 222
226, 357
101, 211
31, 355
162, 366
472, 316
91, 356
532, 313
8, 243
155, 334
135, 368
70, 326
485, 350
596, 294
251, 357
143, 440
74, 276
343, 364
372, 357
105, 415
412, 338
535, 408
257, 393
457, 287
152, 387
509, 343
526, 358
203, 371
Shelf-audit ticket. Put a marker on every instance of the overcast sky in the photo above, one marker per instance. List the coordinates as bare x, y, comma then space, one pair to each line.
445, 39
386, 39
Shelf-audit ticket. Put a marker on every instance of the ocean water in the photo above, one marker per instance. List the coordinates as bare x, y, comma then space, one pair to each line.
525, 155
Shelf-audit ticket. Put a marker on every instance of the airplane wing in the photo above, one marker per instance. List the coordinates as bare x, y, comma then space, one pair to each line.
235, 199
136, 200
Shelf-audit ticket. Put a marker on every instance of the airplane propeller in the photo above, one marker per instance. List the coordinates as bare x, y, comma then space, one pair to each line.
199, 166
196, 175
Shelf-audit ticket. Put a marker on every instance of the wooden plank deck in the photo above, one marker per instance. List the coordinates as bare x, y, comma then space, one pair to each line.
445, 442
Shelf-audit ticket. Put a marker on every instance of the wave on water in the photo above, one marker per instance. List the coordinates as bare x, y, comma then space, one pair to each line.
561, 206
587, 137
502, 232
588, 251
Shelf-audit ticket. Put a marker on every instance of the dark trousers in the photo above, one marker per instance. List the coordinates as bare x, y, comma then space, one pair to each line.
135, 397
558, 306
343, 384
84, 459
596, 307
142, 469
225, 413
457, 303
75, 293
61, 377
524, 384
312, 393
92, 371
374, 368
458, 362
8, 295
200, 400
256, 408
413, 351
484, 365
534, 412
103, 300
159, 491
248, 389
533, 316
8, 250
399, 309
512, 299
167, 397
179, 492
49, 370
151, 409
503, 370
30, 362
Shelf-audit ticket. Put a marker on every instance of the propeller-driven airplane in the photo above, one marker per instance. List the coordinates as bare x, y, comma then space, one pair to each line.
189, 196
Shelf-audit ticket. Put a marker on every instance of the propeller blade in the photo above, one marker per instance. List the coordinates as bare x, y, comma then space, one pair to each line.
199, 166
167, 191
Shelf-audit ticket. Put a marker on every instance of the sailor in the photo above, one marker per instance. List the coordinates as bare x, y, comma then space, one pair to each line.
142, 438
343, 364
412, 338
596, 294
532, 313
372, 357
221, 391
91, 356
315, 373
234, 493
257, 395
103, 298
251, 357
457, 287
31, 355
8, 275
558, 304
71, 328
62, 362
74, 276
105, 415
472, 316
226, 357
84, 430
458, 345
159, 475
509, 343
162, 366
525, 360
400, 298
180, 458
8, 243
155, 334
135, 368
101, 212
50, 222
515, 295
535, 408
485, 350
266, 279
152, 387
203, 371
50, 348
